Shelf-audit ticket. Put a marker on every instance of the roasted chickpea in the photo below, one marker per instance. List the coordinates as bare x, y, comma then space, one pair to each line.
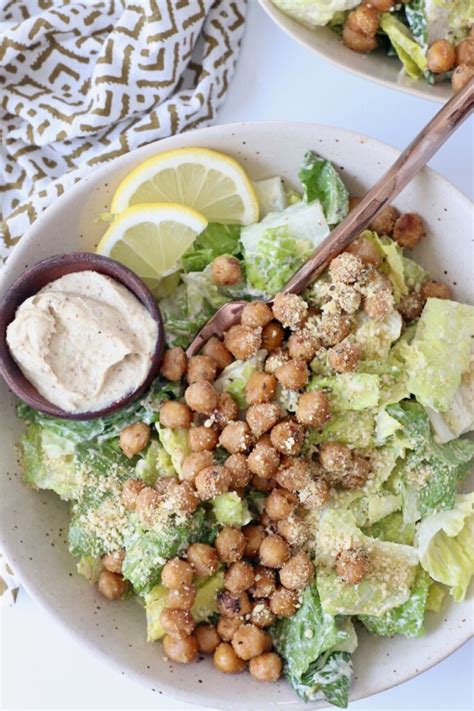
226, 660
260, 388
180, 650
175, 415
366, 251
248, 641
297, 573
465, 52
236, 464
226, 271
313, 408
460, 77
279, 504
344, 357
358, 41
264, 583
378, 304
293, 530
113, 561
185, 498
293, 375
275, 360
261, 484
231, 605
291, 310
182, 598
130, 491
239, 577
261, 615
411, 306
440, 56
272, 336
352, 565
315, 494
203, 558
287, 437
346, 268
111, 585
435, 290
409, 230
243, 341
274, 551
302, 346
230, 544
201, 367
146, 505
202, 438
227, 410
256, 314
207, 638
134, 438
201, 397
194, 463
384, 221
284, 602
176, 573
263, 460
236, 437
227, 627
254, 535
262, 418
215, 349
266, 667
212, 481
364, 19
333, 328
174, 364
335, 457
293, 474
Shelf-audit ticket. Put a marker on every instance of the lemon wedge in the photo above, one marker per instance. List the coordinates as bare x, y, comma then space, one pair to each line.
210, 182
151, 239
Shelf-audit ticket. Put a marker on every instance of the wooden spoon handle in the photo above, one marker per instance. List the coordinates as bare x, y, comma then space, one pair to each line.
409, 163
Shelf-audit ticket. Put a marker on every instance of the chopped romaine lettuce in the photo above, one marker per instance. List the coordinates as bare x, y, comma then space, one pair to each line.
313, 14
445, 543
393, 264
408, 50
176, 444
48, 462
230, 510
235, 376
459, 417
271, 195
355, 429
308, 643
407, 619
349, 391
90, 568
440, 352
436, 597
204, 605
375, 338
393, 528
155, 462
430, 471
392, 566
414, 274
322, 182
215, 240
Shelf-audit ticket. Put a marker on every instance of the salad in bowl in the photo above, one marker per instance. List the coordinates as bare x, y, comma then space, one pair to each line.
297, 483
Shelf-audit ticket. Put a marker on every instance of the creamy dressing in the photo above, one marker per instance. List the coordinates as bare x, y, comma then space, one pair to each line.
84, 341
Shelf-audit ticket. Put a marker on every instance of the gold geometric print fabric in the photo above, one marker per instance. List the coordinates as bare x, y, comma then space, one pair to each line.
83, 81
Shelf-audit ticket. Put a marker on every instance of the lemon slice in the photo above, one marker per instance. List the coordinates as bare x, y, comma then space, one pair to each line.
210, 182
151, 239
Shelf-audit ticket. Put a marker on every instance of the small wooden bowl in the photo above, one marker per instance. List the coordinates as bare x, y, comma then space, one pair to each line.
43, 273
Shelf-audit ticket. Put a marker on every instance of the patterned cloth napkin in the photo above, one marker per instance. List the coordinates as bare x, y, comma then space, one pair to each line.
83, 81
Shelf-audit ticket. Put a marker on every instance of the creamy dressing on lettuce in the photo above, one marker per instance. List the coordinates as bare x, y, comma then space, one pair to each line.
84, 341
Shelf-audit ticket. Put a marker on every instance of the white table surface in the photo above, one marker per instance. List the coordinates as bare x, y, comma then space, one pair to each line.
41, 666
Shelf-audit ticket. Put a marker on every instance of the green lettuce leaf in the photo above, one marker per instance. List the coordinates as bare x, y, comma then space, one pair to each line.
215, 240
235, 376
155, 462
355, 429
414, 274
440, 352
408, 50
393, 264
459, 417
322, 182
271, 195
329, 678
48, 462
313, 14
393, 528
349, 391
90, 568
230, 510
375, 338
445, 543
407, 619
176, 444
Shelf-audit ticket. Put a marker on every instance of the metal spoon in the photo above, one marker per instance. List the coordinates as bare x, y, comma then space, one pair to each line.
407, 165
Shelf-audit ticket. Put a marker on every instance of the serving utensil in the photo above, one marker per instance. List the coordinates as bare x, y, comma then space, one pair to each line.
406, 167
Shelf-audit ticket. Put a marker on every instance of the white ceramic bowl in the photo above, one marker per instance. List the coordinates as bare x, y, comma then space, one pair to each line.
34, 524
376, 66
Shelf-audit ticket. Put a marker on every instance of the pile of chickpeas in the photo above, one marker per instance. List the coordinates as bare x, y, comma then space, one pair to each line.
361, 27
265, 563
